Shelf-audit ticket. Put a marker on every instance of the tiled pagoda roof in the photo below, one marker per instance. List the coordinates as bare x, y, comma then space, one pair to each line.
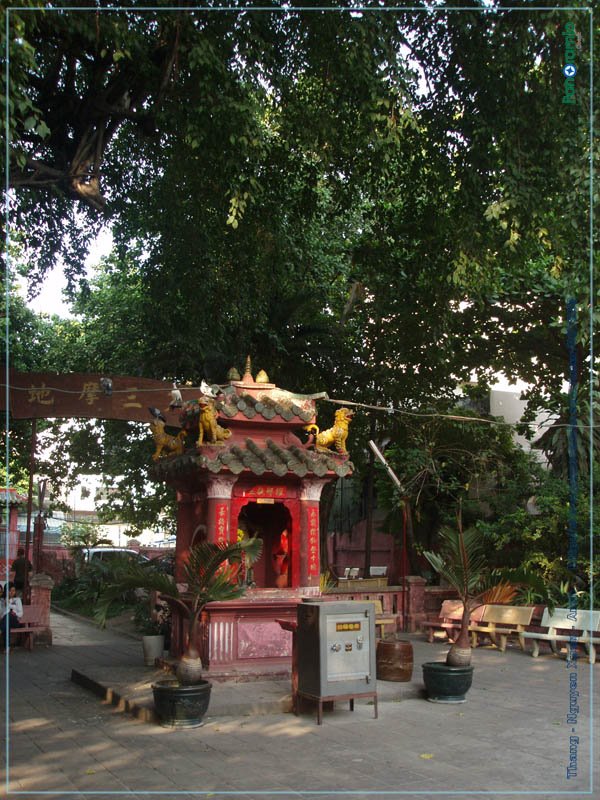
286, 405
236, 458
12, 497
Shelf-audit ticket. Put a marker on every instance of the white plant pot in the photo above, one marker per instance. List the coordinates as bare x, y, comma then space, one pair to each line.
153, 648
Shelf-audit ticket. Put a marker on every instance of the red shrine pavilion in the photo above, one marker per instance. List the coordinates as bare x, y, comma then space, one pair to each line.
245, 470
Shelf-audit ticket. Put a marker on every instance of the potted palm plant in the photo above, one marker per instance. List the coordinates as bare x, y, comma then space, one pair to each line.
462, 563
211, 574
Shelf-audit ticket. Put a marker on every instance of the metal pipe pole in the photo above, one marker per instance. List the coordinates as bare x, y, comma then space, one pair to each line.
403, 569
391, 472
29, 505
400, 488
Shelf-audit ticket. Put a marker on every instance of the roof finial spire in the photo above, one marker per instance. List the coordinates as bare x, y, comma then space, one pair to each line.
248, 371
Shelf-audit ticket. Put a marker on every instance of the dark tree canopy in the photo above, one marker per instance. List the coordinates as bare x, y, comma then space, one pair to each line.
379, 204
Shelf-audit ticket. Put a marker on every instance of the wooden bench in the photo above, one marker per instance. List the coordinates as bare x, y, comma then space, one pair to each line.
381, 619
32, 623
499, 622
450, 619
579, 626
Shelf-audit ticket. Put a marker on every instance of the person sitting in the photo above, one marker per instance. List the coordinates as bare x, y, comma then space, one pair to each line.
11, 611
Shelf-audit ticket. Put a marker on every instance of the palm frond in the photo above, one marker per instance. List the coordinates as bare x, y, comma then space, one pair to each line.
502, 593
210, 571
206, 562
132, 575
461, 561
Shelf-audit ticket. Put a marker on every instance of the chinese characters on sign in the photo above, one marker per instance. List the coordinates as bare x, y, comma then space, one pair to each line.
41, 395
267, 491
313, 541
37, 395
221, 519
132, 401
90, 393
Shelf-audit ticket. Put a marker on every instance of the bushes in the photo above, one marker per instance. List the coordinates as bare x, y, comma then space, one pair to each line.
540, 541
81, 593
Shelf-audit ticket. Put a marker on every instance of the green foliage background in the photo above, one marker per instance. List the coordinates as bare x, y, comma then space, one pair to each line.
379, 205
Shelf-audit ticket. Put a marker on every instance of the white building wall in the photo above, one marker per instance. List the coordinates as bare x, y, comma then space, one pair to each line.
507, 403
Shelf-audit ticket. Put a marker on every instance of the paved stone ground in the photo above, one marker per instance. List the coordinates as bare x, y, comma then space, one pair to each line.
510, 737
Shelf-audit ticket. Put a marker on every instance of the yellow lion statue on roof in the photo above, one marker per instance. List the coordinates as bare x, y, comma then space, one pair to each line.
209, 430
335, 436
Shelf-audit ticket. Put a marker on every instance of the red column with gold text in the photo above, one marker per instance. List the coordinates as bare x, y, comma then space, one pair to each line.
310, 567
218, 518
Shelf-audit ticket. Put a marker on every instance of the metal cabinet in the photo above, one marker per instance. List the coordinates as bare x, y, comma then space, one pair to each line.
336, 652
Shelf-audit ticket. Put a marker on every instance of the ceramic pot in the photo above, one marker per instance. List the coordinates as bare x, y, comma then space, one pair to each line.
180, 706
153, 647
446, 684
189, 670
459, 656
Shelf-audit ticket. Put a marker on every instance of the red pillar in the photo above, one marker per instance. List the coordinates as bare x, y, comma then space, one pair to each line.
293, 506
310, 495
218, 514
41, 590
189, 516
415, 602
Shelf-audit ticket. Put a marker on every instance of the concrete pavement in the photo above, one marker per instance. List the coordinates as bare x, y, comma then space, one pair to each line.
510, 737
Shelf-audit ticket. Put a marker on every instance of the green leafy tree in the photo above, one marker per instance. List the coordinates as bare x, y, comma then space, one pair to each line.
367, 202
443, 462
537, 536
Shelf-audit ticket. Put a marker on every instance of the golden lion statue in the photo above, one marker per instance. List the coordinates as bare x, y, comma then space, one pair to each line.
164, 441
335, 436
209, 430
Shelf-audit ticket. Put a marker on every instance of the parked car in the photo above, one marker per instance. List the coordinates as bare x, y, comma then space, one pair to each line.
95, 554
165, 563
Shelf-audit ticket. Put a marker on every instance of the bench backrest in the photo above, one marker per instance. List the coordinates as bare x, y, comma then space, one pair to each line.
379, 609
32, 615
453, 610
508, 615
579, 619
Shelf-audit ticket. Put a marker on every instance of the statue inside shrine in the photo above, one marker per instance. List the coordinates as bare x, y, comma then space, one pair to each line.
281, 560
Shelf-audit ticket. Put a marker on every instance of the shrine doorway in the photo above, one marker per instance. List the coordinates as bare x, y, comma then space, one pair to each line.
271, 522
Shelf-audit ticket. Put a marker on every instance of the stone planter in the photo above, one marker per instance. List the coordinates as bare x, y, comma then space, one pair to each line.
446, 684
153, 647
181, 706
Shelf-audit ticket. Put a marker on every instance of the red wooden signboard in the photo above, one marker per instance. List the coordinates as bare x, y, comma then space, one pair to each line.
35, 395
